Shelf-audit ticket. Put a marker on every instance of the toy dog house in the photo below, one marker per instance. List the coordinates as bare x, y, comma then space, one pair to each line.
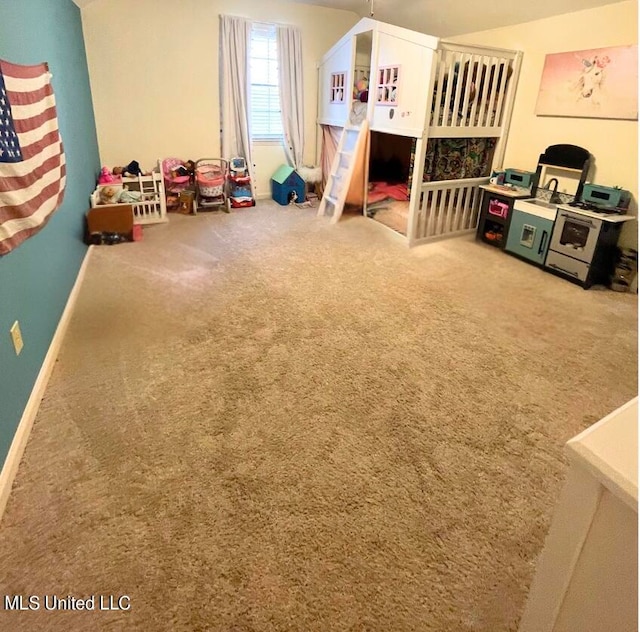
287, 186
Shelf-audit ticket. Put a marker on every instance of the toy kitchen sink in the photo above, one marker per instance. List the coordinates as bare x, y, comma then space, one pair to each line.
531, 205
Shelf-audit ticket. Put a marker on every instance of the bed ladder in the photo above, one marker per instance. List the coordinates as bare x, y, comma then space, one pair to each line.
350, 151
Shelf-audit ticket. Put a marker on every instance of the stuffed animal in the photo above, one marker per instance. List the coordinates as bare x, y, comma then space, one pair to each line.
106, 176
362, 84
361, 90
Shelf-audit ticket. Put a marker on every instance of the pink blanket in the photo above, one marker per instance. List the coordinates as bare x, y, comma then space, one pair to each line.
382, 191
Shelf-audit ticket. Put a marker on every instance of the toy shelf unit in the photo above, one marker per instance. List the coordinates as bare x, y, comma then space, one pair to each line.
239, 184
150, 208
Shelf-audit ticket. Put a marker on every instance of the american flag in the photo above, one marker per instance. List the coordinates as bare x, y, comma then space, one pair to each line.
32, 161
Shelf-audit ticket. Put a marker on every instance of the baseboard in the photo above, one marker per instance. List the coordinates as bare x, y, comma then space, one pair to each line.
10, 467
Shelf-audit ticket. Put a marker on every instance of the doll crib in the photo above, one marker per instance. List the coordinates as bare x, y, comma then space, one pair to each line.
151, 209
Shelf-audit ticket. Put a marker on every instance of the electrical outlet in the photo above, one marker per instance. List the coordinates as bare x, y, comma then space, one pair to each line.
16, 336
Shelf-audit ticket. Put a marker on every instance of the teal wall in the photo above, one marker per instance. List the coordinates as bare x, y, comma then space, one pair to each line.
37, 277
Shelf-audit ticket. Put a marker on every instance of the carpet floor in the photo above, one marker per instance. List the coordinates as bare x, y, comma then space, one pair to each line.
263, 422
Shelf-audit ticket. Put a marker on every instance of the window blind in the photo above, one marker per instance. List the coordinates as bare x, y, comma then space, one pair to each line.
265, 119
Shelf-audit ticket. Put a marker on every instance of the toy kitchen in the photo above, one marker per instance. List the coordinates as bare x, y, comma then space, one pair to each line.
573, 236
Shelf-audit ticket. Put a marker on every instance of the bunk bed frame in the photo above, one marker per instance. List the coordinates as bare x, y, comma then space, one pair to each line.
431, 90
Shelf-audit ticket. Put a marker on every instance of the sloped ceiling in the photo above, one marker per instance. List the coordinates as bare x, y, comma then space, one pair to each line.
445, 18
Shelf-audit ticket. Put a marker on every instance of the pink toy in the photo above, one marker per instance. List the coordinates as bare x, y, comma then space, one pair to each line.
106, 177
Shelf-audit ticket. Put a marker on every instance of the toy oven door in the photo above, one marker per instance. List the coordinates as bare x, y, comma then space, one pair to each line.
576, 235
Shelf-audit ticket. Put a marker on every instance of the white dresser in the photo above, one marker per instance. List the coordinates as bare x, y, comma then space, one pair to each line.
587, 575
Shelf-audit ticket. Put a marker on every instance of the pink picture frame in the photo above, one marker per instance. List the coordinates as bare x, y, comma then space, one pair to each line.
595, 83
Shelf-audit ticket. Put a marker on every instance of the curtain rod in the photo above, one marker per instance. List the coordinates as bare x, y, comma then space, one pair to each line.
242, 17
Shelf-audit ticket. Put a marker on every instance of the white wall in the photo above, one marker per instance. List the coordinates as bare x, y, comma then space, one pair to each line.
153, 66
614, 144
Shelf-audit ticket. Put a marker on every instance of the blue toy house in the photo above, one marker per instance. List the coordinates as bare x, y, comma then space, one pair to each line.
287, 186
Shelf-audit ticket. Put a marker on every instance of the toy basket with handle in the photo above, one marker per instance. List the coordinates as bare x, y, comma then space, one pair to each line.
210, 176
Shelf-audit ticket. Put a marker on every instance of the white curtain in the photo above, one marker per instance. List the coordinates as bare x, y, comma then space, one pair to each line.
235, 34
291, 93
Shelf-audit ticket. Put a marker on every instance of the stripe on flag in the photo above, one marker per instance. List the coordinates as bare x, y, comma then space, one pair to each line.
32, 161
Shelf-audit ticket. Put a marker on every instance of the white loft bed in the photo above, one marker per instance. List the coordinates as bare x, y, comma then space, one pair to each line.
438, 93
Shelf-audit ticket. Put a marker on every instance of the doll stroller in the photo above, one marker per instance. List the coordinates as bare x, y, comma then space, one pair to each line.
174, 185
239, 184
210, 184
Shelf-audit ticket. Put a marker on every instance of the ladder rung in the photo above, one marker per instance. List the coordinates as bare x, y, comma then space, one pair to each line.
342, 169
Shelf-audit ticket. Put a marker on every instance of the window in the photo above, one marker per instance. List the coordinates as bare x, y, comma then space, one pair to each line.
265, 117
337, 87
387, 85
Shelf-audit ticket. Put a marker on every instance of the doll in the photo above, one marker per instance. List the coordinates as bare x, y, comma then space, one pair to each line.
115, 195
132, 169
187, 169
109, 195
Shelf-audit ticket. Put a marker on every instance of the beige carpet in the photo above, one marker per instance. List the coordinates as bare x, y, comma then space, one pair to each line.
261, 422
395, 215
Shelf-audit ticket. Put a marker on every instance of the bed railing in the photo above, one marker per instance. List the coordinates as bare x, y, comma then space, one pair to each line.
447, 208
471, 88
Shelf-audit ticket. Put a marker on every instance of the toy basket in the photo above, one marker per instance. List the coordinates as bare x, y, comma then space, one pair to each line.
210, 177
210, 180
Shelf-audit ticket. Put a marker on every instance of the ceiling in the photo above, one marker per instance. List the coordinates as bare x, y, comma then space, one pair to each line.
445, 18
